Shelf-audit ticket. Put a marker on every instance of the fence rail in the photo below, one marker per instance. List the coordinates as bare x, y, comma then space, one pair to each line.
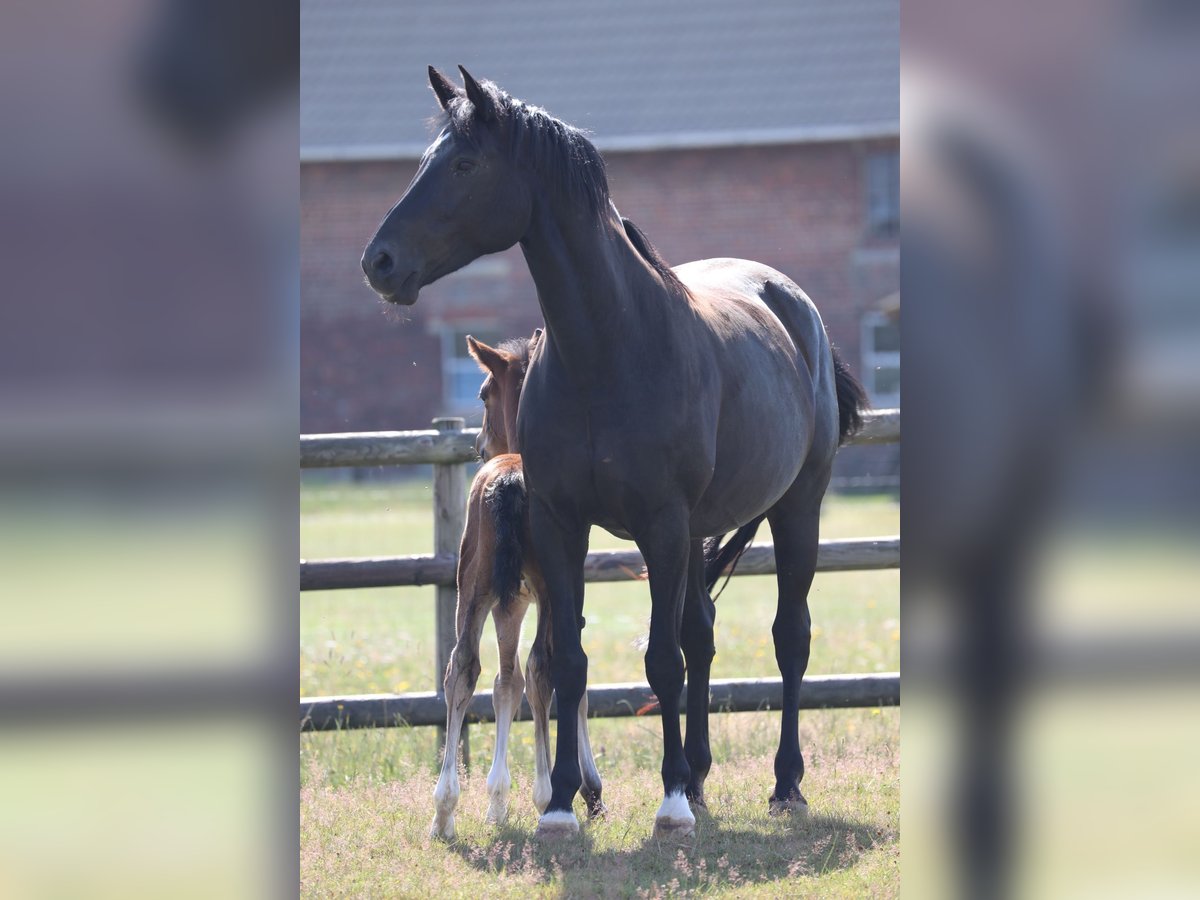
446, 447
601, 565
449, 447
604, 701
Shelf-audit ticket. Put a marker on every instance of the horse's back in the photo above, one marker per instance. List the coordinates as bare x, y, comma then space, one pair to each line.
777, 372
725, 284
725, 280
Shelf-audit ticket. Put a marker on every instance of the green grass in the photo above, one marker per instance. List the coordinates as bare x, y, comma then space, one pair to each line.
367, 794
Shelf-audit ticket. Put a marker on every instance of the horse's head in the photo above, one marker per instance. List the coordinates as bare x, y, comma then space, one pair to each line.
468, 198
505, 368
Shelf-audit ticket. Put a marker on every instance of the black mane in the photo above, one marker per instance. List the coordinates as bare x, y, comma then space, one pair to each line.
650, 254
562, 154
559, 151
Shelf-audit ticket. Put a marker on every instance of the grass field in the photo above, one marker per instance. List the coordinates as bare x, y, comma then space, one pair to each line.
366, 795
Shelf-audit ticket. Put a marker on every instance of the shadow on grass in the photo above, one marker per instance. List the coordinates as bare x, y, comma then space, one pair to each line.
721, 854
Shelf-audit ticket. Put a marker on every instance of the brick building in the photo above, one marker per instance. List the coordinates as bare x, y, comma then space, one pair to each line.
769, 132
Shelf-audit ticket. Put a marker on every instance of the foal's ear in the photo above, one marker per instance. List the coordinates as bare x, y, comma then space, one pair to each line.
442, 88
480, 99
537, 336
489, 358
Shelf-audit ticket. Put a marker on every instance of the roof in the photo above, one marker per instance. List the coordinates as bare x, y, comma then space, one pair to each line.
636, 75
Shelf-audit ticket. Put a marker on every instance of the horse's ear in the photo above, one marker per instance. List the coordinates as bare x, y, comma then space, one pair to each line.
485, 109
537, 336
442, 88
489, 358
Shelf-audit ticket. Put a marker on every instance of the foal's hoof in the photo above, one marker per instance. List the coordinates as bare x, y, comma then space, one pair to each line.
497, 812
557, 824
796, 807
674, 820
442, 830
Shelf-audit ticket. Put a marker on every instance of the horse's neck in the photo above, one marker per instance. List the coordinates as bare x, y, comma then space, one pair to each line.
590, 283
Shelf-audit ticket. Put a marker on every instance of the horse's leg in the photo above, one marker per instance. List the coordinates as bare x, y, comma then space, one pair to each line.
666, 547
506, 700
562, 547
587, 764
461, 675
795, 524
696, 641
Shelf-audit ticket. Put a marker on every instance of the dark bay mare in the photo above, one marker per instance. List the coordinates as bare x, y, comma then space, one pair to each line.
665, 405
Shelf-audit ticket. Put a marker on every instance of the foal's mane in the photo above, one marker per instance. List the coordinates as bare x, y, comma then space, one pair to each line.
520, 348
562, 154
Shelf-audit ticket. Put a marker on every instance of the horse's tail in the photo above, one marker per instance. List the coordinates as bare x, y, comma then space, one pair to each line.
718, 557
506, 499
851, 398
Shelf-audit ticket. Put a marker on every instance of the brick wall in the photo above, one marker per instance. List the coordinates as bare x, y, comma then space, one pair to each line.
799, 208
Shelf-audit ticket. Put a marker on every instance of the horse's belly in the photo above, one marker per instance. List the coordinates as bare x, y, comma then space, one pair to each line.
761, 447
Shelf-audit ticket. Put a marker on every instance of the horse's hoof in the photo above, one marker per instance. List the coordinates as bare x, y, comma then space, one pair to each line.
671, 830
596, 811
442, 830
797, 807
674, 820
557, 824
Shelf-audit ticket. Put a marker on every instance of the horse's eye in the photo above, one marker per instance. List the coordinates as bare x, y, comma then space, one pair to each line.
463, 166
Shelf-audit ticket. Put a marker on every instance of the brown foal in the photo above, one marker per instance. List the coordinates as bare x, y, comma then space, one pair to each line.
498, 574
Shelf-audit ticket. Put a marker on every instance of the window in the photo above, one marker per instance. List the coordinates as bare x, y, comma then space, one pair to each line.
883, 194
881, 359
461, 376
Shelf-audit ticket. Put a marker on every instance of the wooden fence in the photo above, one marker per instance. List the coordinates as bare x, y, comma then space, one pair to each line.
450, 447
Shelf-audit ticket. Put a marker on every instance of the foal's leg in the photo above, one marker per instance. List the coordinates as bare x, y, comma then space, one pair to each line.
538, 687
506, 700
562, 548
666, 547
461, 676
587, 764
795, 523
696, 640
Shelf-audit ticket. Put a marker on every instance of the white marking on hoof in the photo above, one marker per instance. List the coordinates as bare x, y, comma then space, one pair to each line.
557, 824
498, 808
442, 828
674, 818
498, 785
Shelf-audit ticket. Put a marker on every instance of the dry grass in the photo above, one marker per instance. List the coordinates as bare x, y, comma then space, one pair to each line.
369, 837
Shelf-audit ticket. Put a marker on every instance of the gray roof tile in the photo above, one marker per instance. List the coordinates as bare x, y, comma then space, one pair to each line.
634, 73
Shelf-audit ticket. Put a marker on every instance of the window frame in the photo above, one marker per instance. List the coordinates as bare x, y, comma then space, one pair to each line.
881, 226
873, 360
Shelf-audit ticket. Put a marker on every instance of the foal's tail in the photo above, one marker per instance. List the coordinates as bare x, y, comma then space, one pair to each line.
851, 398
506, 499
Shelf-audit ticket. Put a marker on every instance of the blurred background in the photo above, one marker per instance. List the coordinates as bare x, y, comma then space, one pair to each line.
148, 358
1051, 625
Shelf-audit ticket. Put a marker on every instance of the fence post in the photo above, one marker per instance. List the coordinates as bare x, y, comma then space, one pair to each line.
449, 519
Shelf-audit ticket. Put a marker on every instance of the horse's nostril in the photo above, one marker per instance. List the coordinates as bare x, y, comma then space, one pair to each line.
382, 262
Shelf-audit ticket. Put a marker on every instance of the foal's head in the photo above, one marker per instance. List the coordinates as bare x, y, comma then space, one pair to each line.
501, 391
